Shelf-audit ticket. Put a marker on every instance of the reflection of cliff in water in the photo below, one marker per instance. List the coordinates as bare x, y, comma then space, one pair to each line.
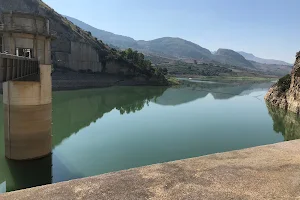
191, 91
285, 122
74, 110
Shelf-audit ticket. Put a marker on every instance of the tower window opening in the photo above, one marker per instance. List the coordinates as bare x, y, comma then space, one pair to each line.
24, 52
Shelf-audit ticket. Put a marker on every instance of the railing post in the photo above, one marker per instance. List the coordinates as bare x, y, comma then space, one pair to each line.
14, 72
20, 63
9, 69
22, 68
1, 69
4, 69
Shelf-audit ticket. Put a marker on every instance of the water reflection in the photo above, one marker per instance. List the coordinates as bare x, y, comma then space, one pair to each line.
285, 122
72, 111
27, 174
83, 145
191, 91
2, 187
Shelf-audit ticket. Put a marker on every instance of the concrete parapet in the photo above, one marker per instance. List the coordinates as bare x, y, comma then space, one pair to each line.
265, 172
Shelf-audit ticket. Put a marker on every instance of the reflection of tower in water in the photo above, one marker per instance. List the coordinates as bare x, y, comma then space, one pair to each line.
27, 174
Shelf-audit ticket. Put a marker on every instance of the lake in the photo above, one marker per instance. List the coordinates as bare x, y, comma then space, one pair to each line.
104, 130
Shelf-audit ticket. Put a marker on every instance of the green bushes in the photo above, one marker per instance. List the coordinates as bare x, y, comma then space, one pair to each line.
136, 58
284, 83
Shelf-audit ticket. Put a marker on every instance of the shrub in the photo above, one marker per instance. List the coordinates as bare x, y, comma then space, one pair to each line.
284, 83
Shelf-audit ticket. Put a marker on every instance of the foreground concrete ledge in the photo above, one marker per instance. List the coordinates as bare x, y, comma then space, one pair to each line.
265, 172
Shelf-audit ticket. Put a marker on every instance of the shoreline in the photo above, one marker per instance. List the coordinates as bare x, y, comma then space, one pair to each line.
70, 80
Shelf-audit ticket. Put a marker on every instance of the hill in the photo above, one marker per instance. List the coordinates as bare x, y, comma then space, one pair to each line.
175, 48
231, 57
107, 37
252, 57
169, 51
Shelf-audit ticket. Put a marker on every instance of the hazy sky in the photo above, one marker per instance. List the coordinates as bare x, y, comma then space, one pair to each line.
266, 28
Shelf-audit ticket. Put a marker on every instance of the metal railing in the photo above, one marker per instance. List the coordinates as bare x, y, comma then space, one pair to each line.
16, 67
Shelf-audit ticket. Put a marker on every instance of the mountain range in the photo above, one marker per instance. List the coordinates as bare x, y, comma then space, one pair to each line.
177, 48
252, 57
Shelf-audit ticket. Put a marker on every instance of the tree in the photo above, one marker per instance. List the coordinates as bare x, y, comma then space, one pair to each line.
165, 71
129, 53
135, 57
146, 63
123, 54
195, 62
141, 56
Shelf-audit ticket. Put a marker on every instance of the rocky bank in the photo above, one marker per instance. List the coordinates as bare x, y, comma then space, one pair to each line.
285, 93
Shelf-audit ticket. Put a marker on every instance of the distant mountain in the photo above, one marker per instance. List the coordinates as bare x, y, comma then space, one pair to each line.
231, 57
274, 69
171, 49
105, 36
176, 48
252, 57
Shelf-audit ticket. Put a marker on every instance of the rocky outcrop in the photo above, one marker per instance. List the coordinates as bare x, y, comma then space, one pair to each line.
286, 92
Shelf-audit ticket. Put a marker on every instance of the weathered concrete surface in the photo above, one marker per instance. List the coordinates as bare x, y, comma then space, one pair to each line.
267, 172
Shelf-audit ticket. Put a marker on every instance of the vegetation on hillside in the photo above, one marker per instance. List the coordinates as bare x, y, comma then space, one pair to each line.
136, 61
203, 69
136, 57
284, 83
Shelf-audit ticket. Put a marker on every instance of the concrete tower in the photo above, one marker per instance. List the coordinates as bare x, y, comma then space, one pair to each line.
24, 39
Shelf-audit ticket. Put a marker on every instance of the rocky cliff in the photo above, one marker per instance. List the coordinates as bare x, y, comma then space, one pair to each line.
286, 92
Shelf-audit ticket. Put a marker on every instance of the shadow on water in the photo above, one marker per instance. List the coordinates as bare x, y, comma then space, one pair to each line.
285, 122
27, 174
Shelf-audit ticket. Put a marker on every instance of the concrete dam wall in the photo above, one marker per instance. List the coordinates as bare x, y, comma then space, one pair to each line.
76, 56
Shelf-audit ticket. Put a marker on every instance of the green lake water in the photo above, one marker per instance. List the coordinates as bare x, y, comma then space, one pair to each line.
105, 130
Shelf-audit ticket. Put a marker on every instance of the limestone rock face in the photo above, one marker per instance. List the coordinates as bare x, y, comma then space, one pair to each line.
289, 99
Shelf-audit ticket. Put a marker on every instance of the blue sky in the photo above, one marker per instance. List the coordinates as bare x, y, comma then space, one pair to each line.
266, 28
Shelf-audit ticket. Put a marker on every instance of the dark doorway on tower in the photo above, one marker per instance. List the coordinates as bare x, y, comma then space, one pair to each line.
24, 52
